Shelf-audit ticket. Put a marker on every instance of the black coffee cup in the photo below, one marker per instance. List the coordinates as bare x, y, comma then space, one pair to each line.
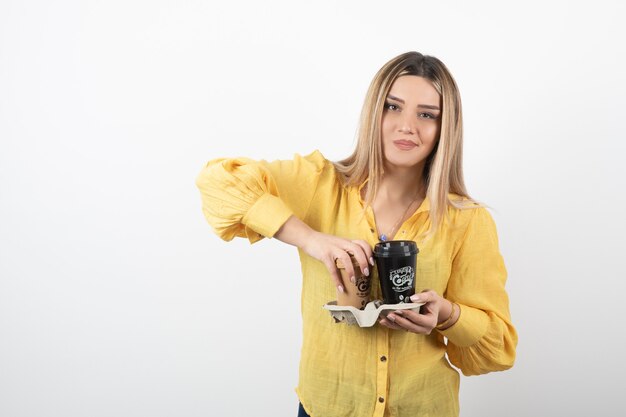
395, 262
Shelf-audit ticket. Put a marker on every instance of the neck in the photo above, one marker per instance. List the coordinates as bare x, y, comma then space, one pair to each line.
402, 185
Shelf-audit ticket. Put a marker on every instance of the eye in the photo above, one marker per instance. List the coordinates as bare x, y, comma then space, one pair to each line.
391, 106
426, 116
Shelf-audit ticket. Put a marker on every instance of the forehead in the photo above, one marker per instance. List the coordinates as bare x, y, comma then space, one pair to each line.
413, 88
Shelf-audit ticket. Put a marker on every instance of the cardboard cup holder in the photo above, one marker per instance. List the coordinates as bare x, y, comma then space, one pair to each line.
369, 315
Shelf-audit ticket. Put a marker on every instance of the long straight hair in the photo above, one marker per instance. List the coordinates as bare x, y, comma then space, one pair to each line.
443, 171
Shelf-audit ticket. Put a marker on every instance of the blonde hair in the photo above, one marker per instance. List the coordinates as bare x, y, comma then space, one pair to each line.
443, 172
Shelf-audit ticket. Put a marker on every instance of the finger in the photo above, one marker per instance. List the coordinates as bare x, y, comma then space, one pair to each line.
428, 323
432, 300
367, 249
390, 324
424, 317
415, 321
430, 309
361, 257
408, 314
347, 263
424, 296
335, 276
396, 322
409, 325
425, 313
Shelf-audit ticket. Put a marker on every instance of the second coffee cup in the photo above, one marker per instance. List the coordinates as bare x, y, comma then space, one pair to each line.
396, 261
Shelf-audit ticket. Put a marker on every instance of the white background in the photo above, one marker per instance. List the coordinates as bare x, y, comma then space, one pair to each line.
114, 291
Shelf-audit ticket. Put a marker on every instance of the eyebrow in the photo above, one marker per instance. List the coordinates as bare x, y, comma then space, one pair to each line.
425, 106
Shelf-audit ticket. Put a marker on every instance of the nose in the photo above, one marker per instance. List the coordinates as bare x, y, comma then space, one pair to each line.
406, 130
407, 125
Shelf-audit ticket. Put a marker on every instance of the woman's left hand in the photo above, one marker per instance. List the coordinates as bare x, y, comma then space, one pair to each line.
423, 322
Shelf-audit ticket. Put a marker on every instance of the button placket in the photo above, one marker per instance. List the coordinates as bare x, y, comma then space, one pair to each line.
382, 374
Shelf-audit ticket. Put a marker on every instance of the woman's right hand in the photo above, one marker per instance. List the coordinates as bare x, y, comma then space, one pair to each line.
327, 249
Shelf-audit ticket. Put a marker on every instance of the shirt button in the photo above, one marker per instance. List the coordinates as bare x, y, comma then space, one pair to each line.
383, 358
381, 400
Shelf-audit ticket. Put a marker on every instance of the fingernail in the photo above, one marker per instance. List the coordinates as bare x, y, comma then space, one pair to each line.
340, 288
391, 317
415, 298
371, 261
398, 312
352, 280
366, 271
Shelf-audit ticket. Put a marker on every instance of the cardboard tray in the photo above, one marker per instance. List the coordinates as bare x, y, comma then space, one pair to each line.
369, 315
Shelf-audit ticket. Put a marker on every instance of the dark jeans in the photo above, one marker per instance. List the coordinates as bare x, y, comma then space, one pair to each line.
301, 412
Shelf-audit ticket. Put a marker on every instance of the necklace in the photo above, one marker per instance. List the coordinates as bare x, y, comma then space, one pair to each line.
384, 237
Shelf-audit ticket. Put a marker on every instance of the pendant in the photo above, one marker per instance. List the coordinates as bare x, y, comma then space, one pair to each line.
383, 238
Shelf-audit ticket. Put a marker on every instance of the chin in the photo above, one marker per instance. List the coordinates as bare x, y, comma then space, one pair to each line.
405, 162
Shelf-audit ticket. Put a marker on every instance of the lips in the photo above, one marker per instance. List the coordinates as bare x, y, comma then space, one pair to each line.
405, 145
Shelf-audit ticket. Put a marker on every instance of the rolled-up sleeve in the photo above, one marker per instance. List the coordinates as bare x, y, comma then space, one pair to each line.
483, 339
242, 197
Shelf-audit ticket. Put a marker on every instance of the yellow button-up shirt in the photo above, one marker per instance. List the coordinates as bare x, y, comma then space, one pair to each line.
352, 371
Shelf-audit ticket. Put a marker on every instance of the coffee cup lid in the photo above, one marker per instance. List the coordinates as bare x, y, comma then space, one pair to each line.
396, 248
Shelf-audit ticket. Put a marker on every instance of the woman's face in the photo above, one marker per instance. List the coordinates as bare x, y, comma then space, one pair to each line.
410, 122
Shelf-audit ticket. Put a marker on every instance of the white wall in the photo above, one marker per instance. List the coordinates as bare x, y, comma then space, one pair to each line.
111, 282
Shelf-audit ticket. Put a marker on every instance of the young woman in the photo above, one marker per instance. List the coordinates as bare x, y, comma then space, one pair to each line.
404, 181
